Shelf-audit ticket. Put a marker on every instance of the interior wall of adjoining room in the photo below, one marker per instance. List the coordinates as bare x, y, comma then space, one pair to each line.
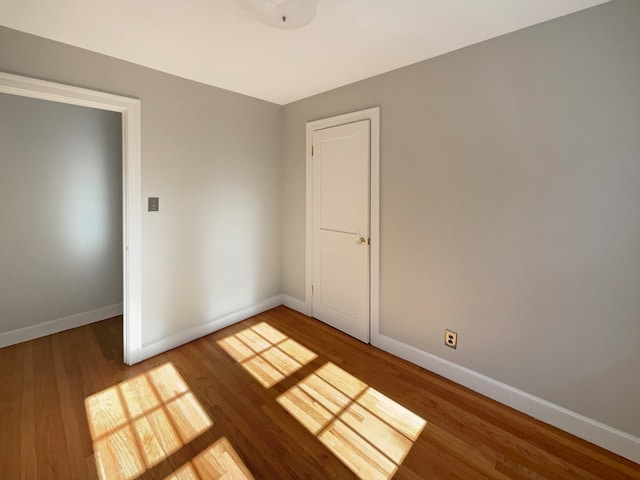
60, 212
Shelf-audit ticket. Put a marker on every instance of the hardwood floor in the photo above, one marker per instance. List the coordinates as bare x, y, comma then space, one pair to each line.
277, 396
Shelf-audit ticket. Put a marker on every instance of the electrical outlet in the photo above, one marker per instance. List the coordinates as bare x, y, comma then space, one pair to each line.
450, 339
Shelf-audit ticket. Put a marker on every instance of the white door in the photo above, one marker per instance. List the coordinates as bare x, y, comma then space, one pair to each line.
341, 169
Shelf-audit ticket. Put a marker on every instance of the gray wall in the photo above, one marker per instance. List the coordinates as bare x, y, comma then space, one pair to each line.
60, 210
213, 158
510, 207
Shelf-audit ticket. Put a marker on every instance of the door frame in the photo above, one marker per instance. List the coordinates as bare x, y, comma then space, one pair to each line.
129, 108
373, 115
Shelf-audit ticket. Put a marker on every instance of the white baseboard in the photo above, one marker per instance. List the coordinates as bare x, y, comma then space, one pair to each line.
595, 432
295, 304
164, 344
59, 325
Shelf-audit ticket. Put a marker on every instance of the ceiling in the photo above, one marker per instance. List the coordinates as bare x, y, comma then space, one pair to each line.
220, 43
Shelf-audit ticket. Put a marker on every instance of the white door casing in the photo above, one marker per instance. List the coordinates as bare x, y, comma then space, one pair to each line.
343, 222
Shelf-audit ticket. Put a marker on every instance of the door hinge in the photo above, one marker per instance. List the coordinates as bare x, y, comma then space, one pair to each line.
311, 289
312, 150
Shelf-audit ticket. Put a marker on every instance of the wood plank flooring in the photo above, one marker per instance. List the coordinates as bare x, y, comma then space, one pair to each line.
278, 396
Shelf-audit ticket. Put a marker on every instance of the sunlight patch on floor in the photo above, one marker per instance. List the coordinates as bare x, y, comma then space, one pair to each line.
219, 461
141, 421
370, 433
266, 353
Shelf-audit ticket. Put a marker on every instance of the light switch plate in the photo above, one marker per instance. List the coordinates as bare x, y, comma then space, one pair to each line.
154, 204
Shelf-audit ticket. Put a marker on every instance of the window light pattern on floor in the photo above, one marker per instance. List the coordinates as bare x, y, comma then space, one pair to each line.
141, 421
266, 353
370, 433
219, 461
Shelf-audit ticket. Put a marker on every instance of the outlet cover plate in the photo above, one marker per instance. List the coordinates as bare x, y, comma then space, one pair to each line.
451, 339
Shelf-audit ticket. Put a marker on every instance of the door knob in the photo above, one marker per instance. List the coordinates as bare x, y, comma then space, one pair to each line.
362, 241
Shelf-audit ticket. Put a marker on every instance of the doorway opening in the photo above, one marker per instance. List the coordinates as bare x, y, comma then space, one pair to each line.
129, 109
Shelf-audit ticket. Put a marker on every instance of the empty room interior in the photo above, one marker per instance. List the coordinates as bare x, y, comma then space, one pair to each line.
320, 239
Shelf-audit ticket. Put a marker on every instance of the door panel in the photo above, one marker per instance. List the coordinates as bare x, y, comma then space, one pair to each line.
338, 272
342, 208
341, 163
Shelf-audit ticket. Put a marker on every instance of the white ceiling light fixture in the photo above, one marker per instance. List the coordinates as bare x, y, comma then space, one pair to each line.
284, 14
